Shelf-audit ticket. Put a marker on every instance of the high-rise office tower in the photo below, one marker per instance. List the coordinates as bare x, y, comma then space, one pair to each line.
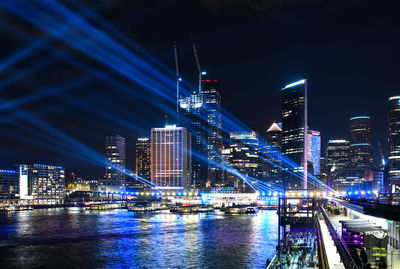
9, 184
394, 143
314, 150
170, 157
200, 113
115, 164
43, 184
212, 99
193, 117
142, 158
244, 154
271, 172
337, 157
360, 142
294, 130
274, 136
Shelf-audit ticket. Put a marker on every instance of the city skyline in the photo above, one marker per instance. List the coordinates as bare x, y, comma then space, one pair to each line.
67, 117
199, 134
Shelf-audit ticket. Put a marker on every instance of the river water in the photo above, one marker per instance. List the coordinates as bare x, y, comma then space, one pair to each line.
78, 238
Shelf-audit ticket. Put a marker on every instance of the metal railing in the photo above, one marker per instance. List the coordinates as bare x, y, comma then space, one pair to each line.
322, 260
341, 246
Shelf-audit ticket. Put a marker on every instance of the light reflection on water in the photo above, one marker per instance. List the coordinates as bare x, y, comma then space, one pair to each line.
81, 238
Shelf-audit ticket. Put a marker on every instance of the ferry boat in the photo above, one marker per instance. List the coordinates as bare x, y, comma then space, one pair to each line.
16, 208
188, 209
205, 209
240, 209
145, 207
105, 206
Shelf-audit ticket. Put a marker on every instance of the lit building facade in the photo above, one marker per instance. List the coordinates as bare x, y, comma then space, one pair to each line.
337, 157
244, 155
193, 117
274, 136
171, 157
42, 184
200, 113
270, 172
314, 150
212, 98
294, 128
353, 179
143, 158
360, 142
115, 154
378, 180
394, 143
9, 184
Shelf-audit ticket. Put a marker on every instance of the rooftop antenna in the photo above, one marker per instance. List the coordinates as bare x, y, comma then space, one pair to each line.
196, 56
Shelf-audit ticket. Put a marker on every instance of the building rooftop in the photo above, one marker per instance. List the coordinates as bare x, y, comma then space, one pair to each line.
274, 128
359, 117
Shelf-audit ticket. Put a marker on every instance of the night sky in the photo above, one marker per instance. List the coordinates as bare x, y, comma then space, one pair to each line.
348, 51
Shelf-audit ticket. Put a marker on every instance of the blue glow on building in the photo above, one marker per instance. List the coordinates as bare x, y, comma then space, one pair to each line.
359, 117
295, 84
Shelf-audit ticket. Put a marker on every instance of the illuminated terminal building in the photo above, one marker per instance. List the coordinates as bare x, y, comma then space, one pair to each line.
142, 160
42, 184
394, 143
360, 142
9, 184
115, 164
170, 157
294, 128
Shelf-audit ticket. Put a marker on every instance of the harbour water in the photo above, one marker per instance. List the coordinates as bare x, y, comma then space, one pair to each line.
79, 238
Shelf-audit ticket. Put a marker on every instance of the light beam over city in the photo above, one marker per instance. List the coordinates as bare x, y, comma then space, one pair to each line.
199, 134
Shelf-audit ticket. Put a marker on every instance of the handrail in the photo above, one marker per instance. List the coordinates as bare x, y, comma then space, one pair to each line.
274, 262
341, 246
322, 261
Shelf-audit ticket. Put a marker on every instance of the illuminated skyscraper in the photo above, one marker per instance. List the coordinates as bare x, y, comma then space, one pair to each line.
9, 184
143, 158
314, 150
360, 142
201, 115
337, 157
193, 117
244, 154
294, 128
43, 184
214, 122
115, 164
394, 143
274, 138
171, 157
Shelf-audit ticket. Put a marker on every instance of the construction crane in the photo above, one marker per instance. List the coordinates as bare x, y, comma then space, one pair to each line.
383, 163
196, 56
178, 80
